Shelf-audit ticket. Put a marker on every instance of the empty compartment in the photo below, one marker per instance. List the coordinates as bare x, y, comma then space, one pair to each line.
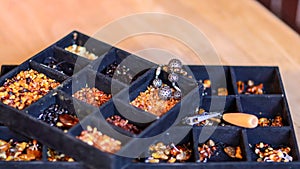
122, 66
91, 87
269, 77
269, 108
218, 77
276, 138
61, 60
27, 83
60, 110
224, 139
83, 45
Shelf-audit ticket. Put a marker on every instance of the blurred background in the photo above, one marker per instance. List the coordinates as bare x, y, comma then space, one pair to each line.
287, 10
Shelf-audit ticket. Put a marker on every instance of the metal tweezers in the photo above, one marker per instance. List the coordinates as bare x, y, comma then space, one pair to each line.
195, 119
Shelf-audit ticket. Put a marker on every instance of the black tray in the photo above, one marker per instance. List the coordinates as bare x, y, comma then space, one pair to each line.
167, 128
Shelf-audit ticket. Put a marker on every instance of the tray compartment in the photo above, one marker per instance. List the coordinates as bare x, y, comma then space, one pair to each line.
73, 106
275, 137
268, 76
229, 136
177, 135
268, 107
96, 120
123, 61
190, 97
34, 66
219, 76
110, 110
61, 61
92, 45
88, 78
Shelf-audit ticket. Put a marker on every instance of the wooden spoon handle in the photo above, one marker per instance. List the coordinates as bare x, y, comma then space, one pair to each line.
241, 119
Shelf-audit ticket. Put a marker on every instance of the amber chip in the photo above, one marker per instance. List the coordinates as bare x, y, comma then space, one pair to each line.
222, 91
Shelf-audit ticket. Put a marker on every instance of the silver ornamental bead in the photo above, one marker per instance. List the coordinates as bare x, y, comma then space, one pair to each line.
165, 93
175, 63
157, 83
173, 77
177, 95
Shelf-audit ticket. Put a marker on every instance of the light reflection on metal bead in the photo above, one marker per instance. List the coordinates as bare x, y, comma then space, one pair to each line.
177, 95
173, 77
157, 83
175, 63
165, 93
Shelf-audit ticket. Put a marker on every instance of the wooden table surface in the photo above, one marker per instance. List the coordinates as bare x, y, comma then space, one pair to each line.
241, 31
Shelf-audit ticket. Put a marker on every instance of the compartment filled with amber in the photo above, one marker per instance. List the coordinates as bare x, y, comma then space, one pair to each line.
269, 144
169, 153
91, 87
101, 141
92, 96
20, 150
118, 121
26, 88
150, 101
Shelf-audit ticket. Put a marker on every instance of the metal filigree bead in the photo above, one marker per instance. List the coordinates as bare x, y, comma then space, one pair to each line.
173, 77
165, 93
157, 83
175, 63
177, 95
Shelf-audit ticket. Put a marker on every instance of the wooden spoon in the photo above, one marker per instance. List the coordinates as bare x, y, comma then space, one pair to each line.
241, 119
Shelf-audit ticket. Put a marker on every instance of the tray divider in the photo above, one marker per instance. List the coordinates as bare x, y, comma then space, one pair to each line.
44, 153
233, 80
246, 145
